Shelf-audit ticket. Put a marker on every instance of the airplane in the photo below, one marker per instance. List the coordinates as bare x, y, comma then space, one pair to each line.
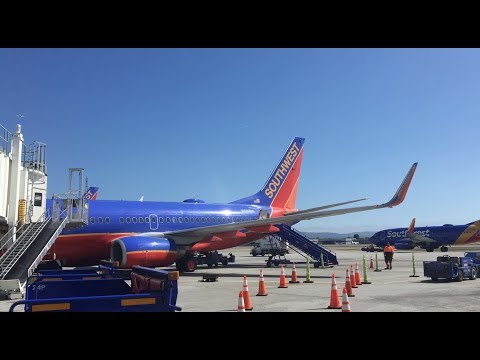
158, 234
428, 237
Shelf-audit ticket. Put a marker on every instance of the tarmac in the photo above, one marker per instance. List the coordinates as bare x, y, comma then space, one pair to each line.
390, 290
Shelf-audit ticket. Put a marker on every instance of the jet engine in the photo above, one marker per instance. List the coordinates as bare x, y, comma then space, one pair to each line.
144, 251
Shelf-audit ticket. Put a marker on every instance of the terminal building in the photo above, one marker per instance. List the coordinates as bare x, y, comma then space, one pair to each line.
23, 180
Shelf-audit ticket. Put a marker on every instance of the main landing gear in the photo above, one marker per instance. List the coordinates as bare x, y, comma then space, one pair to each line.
187, 264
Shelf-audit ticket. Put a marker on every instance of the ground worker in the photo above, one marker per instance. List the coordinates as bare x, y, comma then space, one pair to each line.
388, 254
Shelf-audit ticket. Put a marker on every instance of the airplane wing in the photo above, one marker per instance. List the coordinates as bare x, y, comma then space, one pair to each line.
419, 239
322, 207
191, 236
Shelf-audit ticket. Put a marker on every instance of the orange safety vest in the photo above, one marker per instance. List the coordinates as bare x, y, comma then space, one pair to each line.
389, 248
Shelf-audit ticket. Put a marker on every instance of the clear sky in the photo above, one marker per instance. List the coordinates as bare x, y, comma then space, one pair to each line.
171, 124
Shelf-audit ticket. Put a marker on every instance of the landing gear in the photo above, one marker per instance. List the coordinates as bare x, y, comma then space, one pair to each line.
429, 249
186, 264
444, 249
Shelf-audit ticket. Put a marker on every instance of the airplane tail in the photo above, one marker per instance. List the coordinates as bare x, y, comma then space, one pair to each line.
91, 193
280, 190
411, 227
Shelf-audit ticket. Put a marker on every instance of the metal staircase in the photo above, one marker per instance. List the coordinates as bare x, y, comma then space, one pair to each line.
21, 257
304, 244
23, 248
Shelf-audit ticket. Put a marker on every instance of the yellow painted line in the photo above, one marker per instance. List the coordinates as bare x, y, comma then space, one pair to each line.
51, 279
51, 307
142, 301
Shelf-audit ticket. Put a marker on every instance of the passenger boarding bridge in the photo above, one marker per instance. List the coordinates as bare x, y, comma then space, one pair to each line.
27, 228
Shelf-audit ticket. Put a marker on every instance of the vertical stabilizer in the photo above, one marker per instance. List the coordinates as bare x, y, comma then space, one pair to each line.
280, 190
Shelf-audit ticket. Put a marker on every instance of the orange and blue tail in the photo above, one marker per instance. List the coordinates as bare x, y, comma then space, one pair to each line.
91, 193
280, 190
411, 228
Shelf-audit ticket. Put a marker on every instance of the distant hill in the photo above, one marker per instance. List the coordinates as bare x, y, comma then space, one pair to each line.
329, 235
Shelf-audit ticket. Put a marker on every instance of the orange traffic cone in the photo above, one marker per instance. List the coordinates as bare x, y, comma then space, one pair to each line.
352, 278
348, 285
371, 263
334, 299
246, 294
345, 302
283, 281
358, 280
262, 291
294, 276
241, 305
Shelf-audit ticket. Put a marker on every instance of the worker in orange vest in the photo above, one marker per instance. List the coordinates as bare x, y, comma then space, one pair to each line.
388, 251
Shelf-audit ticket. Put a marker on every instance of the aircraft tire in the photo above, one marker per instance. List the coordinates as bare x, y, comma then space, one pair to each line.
180, 265
434, 279
444, 249
190, 264
269, 263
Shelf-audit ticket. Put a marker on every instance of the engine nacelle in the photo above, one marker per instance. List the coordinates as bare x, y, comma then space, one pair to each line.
144, 251
404, 245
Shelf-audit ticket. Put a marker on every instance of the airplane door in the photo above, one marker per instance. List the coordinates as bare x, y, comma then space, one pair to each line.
153, 222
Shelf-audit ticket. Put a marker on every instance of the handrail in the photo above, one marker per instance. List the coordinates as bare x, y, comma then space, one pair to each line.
25, 246
47, 246
22, 248
6, 238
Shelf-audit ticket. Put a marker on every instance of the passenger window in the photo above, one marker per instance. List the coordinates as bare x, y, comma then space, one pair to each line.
121, 220
100, 220
128, 220
197, 220
160, 219
203, 219
140, 220
154, 219
174, 219
92, 220
147, 220
186, 220
134, 220
180, 219
167, 219
107, 220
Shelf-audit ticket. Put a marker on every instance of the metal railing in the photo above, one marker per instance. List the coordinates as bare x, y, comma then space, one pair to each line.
7, 239
49, 244
34, 156
23, 247
5, 140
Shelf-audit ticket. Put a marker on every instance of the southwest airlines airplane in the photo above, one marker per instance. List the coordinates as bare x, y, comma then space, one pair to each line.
158, 234
428, 237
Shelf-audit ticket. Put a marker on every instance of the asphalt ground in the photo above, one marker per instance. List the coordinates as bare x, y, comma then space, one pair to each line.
390, 290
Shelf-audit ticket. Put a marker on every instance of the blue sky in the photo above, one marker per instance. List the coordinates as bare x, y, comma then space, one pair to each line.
171, 124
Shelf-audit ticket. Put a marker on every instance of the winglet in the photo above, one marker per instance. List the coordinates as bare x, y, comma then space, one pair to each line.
411, 227
402, 190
